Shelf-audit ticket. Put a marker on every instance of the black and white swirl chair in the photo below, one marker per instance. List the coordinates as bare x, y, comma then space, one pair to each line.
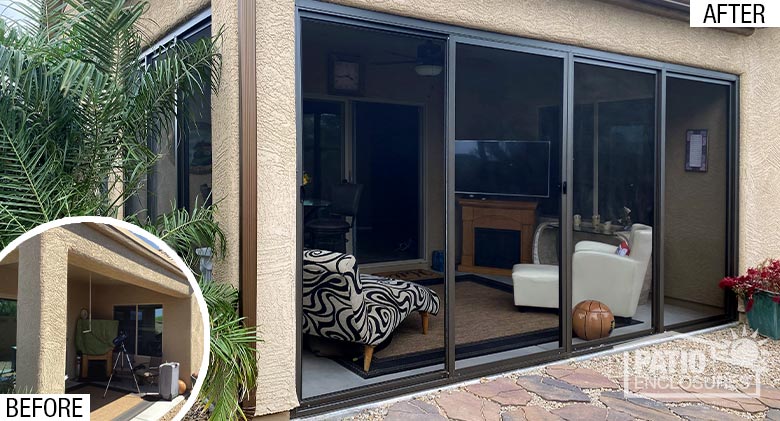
340, 303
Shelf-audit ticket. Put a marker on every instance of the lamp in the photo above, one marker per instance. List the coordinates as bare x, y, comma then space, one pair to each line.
428, 69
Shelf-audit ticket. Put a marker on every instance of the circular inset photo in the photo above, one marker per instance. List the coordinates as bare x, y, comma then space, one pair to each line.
101, 308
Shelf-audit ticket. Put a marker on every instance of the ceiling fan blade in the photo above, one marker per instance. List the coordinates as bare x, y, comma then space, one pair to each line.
385, 63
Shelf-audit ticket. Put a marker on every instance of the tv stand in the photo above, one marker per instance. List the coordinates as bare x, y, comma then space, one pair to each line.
496, 235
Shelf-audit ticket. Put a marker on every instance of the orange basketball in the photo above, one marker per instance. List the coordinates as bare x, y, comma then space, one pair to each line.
592, 319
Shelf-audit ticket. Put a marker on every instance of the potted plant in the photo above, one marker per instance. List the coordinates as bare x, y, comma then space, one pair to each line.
760, 288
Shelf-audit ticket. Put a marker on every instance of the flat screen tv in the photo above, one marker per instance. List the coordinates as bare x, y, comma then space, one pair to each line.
502, 168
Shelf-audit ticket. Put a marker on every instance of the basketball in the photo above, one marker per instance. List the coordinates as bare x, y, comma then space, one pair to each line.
592, 319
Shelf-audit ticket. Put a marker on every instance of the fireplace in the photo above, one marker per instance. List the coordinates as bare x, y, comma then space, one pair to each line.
497, 248
497, 234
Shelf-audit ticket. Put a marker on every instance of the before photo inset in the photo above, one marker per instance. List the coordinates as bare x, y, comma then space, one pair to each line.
97, 309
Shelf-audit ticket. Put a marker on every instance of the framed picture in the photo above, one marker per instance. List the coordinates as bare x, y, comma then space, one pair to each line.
345, 74
696, 150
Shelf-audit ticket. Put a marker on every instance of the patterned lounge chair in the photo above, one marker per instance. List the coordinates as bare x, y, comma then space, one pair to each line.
340, 303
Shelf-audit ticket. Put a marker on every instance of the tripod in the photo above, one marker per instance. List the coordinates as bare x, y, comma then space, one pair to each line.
122, 352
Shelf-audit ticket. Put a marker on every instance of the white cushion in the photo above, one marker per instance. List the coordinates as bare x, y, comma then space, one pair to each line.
535, 285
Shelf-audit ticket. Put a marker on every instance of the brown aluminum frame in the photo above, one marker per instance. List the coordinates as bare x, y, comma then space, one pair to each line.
247, 82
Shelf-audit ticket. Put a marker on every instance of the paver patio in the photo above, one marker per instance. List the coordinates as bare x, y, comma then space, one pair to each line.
583, 390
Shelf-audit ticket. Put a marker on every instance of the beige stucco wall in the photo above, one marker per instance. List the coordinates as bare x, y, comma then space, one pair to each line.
584, 23
276, 205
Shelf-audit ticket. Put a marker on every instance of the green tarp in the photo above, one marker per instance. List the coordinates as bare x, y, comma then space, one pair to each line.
99, 340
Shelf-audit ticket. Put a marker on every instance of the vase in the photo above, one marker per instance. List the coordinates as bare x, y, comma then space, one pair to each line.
764, 316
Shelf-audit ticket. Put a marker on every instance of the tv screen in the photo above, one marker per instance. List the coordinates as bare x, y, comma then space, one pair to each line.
502, 167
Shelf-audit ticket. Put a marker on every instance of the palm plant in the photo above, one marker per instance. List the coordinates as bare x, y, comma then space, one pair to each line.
232, 366
77, 108
77, 112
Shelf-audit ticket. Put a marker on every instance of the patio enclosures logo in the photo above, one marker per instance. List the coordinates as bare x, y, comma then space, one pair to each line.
735, 13
694, 368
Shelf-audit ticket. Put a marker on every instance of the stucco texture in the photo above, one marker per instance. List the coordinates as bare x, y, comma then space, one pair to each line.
276, 206
584, 23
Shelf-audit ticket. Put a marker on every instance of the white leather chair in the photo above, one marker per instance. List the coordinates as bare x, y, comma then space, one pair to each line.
598, 274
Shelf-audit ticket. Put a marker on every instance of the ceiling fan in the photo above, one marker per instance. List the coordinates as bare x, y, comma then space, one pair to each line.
428, 62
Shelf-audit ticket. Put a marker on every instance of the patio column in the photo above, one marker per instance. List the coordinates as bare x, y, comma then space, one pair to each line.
41, 324
183, 336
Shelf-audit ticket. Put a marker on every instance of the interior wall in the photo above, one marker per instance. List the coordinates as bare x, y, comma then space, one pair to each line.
695, 230
393, 84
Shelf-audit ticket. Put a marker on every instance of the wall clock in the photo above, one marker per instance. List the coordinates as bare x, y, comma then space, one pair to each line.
345, 75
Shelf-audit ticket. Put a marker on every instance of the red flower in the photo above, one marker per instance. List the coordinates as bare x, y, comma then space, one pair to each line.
764, 277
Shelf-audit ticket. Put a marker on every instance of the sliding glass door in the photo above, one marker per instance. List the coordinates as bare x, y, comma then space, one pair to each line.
613, 190
695, 199
507, 203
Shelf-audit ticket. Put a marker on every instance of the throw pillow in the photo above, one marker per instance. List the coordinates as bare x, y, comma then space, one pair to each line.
623, 249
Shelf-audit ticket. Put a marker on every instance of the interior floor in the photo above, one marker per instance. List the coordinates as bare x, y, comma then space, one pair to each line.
322, 376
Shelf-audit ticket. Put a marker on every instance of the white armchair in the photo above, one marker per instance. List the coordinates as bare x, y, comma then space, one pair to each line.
600, 274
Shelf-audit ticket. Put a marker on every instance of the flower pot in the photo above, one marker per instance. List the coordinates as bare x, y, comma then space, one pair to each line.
765, 315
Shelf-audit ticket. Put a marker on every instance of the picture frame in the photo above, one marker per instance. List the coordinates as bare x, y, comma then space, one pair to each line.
696, 144
346, 75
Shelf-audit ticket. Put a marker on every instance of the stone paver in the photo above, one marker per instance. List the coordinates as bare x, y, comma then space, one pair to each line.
552, 389
505, 391
415, 410
642, 408
584, 378
647, 389
724, 398
704, 413
464, 406
773, 415
582, 411
530, 413
769, 396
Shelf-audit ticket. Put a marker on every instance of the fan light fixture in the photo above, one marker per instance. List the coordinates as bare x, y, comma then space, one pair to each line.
428, 69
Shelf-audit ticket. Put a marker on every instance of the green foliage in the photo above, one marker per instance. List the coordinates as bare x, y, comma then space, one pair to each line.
7, 308
77, 109
185, 231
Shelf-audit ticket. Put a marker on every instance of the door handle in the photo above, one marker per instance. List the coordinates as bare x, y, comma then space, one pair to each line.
563, 187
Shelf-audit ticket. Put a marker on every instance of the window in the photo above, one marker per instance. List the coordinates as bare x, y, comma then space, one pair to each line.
143, 325
182, 175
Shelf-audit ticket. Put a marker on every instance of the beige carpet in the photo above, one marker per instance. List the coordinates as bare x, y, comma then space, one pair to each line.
481, 313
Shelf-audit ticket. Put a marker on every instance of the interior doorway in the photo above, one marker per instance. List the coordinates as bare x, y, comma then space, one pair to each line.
387, 163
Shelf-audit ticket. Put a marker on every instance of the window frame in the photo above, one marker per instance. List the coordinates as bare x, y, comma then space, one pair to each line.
180, 135
136, 307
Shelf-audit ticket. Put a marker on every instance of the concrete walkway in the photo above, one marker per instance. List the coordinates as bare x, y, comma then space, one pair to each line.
594, 389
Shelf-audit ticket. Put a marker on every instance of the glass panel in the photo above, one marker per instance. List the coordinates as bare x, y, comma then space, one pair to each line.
378, 216
196, 123
150, 330
126, 315
508, 138
697, 133
613, 195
